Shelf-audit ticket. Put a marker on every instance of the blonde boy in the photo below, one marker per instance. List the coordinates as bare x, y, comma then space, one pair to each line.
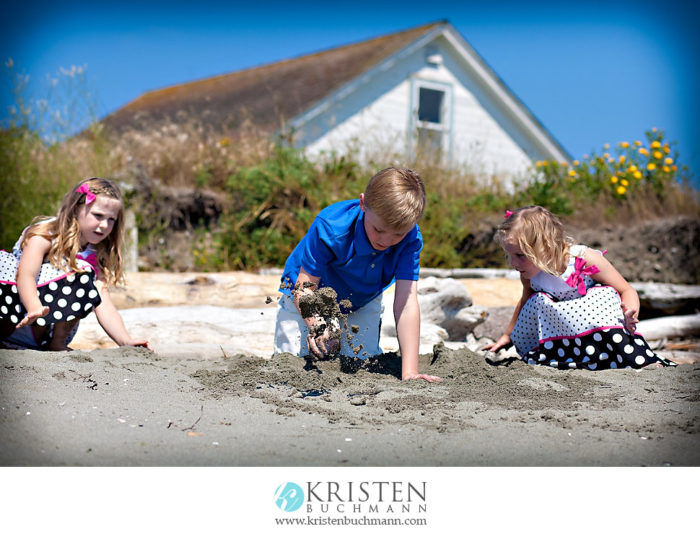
358, 248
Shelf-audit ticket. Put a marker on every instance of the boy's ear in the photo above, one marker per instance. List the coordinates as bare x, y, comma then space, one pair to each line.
362, 201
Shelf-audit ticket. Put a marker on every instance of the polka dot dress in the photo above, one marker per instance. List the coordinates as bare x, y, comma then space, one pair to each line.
560, 328
67, 294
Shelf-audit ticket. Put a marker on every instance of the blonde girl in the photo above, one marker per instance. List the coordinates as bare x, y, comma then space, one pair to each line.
576, 310
61, 268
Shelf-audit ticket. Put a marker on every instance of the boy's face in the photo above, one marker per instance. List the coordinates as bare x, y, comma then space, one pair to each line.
380, 236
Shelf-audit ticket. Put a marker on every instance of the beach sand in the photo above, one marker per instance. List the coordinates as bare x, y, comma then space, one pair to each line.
130, 407
190, 406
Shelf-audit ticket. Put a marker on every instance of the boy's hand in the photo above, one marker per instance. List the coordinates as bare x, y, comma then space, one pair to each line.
322, 339
417, 376
33, 316
322, 344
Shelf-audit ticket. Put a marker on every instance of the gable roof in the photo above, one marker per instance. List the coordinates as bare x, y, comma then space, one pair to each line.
270, 94
273, 95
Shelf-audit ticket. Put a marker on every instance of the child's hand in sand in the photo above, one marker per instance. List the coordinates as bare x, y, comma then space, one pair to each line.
32, 316
417, 376
502, 342
323, 338
143, 343
322, 345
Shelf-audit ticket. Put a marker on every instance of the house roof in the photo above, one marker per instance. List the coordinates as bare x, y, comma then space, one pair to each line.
270, 94
274, 95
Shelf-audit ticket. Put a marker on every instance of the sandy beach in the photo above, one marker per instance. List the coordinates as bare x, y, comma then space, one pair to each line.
218, 403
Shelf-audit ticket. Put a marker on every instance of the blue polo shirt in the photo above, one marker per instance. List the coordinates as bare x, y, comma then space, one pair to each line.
337, 250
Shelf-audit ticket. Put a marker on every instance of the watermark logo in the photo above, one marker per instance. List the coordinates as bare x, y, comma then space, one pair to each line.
289, 497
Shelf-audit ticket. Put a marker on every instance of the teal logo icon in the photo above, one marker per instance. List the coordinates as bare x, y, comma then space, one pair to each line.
289, 497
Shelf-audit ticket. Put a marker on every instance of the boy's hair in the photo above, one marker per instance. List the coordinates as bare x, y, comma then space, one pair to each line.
64, 232
540, 235
397, 196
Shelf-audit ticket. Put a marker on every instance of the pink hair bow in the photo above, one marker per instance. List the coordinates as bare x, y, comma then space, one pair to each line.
508, 214
576, 278
89, 197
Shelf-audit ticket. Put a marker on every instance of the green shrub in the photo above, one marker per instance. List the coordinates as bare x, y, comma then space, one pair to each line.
274, 203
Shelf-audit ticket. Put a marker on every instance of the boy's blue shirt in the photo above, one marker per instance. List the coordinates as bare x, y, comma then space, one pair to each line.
337, 250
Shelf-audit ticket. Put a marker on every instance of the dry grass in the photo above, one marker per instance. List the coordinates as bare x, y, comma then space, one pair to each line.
190, 156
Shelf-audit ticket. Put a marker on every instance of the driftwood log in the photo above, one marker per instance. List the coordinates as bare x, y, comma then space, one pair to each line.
670, 327
663, 299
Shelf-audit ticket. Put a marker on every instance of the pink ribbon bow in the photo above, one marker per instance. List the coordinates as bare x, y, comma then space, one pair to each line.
90, 259
89, 197
508, 214
576, 278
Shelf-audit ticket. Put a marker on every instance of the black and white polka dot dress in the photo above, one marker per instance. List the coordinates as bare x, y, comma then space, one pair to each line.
67, 294
560, 327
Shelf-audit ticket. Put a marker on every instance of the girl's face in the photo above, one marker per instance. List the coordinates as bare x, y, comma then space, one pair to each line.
519, 260
97, 220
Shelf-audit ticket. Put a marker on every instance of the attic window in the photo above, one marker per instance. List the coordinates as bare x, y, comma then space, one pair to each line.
430, 105
431, 122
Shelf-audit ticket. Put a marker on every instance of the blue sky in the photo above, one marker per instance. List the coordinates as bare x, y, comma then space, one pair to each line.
591, 72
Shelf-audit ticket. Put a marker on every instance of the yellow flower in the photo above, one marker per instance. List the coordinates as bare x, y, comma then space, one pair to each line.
538, 164
651, 166
654, 129
606, 146
606, 155
564, 164
624, 182
643, 151
674, 168
632, 168
576, 162
637, 174
668, 160
667, 149
667, 169
225, 141
572, 173
622, 159
613, 179
624, 144
656, 144
657, 155
621, 190
637, 143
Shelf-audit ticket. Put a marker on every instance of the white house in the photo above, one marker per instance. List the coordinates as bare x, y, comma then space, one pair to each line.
421, 89
434, 91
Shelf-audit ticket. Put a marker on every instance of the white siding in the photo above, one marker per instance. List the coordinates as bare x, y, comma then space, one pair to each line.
374, 118
379, 127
